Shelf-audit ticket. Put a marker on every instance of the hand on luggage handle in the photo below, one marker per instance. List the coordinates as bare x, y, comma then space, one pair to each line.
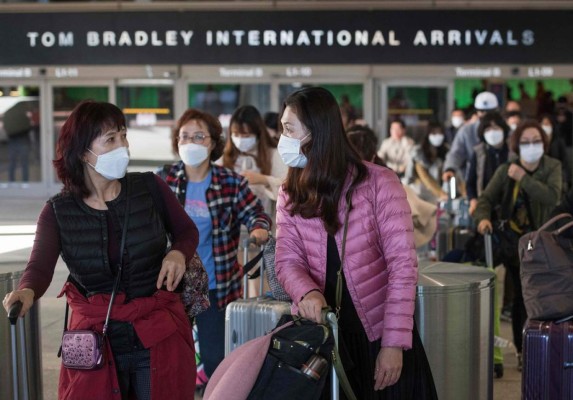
14, 311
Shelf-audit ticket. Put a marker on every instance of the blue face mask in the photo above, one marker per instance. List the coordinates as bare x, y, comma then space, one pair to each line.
289, 150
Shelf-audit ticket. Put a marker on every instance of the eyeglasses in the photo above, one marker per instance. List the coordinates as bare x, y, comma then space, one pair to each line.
538, 141
197, 138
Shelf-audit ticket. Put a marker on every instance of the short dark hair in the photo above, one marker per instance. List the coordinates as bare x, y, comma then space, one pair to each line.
272, 120
398, 121
213, 126
516, 136
88, 120
496, 118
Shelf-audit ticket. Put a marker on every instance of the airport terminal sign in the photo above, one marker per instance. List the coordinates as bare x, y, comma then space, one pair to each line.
287, 37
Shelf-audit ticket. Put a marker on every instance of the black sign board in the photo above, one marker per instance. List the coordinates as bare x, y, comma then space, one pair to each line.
288, 37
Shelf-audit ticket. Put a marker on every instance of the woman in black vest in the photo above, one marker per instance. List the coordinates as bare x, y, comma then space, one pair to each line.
149, 330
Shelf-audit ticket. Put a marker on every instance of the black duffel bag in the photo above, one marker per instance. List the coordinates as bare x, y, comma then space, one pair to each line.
298, 362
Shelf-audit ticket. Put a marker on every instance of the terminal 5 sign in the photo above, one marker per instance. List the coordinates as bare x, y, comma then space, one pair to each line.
277, 37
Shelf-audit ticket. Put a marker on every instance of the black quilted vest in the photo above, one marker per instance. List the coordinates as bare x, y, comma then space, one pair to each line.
84, 239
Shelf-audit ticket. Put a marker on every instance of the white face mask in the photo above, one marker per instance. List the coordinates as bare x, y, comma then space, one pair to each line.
512, 127
113, 164
244, 144
548, 129
531, 153
436, 139
493, 137
457, 121
193, 154
289, 150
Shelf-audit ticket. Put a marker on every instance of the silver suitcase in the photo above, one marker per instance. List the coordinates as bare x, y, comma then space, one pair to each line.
248, 318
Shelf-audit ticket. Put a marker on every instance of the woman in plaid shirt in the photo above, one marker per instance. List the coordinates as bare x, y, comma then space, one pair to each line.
218, 200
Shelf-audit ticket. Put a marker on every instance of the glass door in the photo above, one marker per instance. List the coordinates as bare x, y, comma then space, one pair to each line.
20, 155
415, 103
148, 106
64, 100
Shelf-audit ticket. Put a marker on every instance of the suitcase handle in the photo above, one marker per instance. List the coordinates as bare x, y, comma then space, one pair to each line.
14, 311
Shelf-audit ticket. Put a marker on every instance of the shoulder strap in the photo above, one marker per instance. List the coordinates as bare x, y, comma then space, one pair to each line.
157, 199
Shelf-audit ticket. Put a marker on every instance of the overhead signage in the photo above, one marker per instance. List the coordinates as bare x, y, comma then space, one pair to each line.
288, 37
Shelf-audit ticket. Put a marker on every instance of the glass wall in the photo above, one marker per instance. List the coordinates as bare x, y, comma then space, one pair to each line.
150, 120
20, 134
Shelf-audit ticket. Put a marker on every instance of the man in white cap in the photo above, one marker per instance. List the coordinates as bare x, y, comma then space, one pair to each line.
460, 154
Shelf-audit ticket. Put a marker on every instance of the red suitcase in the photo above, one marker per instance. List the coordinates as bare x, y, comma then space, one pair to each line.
548, 361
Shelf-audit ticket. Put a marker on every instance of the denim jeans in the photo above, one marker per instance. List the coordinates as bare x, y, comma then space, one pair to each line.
133, 374
211, 332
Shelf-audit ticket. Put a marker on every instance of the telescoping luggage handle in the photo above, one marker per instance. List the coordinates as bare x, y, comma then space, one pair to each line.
248, 265
488, 249
13, 313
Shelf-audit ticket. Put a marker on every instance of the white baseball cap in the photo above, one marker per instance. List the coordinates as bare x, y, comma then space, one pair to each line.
486, 101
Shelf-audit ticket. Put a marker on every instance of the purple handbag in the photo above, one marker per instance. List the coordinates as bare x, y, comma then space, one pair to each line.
84, 349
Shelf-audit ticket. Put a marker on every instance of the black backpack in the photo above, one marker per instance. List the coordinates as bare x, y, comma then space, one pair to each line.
298, 362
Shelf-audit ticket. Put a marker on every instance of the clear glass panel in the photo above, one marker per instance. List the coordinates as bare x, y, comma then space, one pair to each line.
20, 134
417, 106
221, 100
66, 98
150, 119
350, 98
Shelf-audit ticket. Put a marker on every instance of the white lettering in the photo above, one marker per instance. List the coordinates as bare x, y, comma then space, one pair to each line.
392, 41
420, 39
527, 37
66, 39
344, 38
171, 38
468, 38
437, 38
155, 40
481, 36
124, 39
510, 39
287, 38
361, 38
92, 39
454, 38
254, 38
303, 39
330, 38
32, 36
378, 39
269, 38
222, 38
108, 38
48, 39
317, 35
238, 37
496, 38
141, 38
186, 35
209, 39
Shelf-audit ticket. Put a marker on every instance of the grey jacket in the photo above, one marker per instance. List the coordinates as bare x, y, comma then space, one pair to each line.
459, 156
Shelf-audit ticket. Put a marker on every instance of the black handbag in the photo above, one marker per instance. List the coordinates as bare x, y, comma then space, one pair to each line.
297, 362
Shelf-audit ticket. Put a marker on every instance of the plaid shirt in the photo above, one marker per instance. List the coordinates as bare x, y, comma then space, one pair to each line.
231, 203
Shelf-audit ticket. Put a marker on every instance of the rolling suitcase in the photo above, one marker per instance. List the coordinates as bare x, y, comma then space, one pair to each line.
248, 318
548, 360
14, 320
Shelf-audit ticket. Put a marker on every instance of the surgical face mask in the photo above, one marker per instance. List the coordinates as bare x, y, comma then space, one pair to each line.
512, 126
548, 129
244, 144
113, 164
436, 139
531, 153
493, 137
289, 150
457, 121
193, 154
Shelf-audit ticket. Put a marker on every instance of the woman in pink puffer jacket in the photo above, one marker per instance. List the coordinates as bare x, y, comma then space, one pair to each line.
379, 258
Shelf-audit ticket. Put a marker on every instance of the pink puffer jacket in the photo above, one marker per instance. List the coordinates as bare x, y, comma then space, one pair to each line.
380, 264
